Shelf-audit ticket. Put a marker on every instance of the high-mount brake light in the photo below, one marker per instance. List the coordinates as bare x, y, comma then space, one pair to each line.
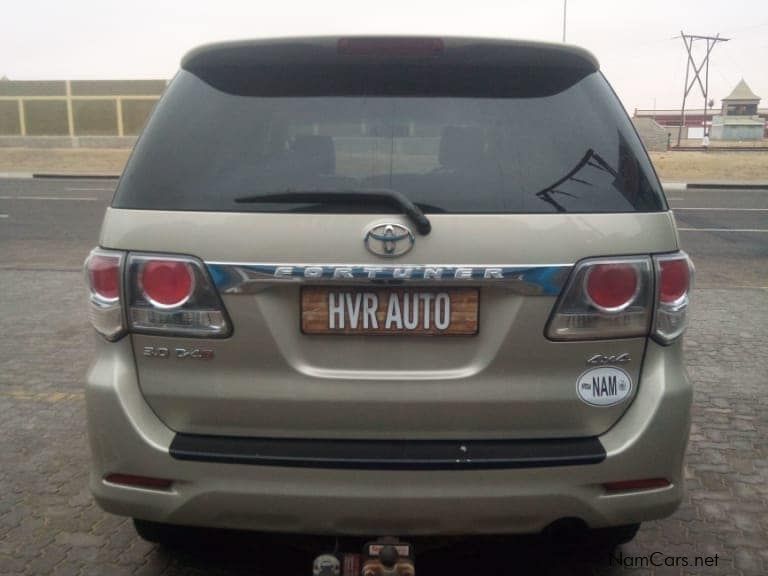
674, 273
103, 274
605, 298
173, 295
390, 46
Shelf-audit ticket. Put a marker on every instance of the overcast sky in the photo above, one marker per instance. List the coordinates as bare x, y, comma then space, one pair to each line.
632, 39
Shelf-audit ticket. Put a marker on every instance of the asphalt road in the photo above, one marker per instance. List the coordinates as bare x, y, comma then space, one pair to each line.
726, 234
50, 224
50, 524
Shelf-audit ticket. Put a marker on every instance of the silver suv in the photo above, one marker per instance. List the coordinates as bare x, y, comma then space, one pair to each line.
381, 285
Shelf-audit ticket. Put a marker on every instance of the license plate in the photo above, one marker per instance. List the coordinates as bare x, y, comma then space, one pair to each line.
389, 311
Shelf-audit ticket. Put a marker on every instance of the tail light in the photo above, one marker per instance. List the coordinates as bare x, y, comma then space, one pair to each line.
674, 273
605, 298
170, 295
103, 274
173, 295
608, 298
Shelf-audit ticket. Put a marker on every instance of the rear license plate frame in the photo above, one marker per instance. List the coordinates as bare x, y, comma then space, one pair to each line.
464, 302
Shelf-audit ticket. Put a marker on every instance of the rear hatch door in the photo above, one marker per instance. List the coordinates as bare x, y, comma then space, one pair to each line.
520, 178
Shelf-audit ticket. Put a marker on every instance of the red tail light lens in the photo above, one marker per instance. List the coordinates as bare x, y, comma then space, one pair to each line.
104, 273
611, 287
674, 280
167, 283
104, 276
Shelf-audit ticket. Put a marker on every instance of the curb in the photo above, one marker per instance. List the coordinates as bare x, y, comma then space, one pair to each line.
52, 176
681, 186
76, 176
20, 175
728, 186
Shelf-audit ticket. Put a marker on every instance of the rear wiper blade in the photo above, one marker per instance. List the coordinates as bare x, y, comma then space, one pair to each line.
377, 195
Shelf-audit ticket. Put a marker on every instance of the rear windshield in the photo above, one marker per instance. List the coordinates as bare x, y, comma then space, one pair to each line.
563, 149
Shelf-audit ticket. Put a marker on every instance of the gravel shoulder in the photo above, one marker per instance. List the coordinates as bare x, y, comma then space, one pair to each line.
748, 166
63, 160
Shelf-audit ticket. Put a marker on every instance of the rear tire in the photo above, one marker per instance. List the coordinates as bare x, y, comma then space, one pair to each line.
159, 533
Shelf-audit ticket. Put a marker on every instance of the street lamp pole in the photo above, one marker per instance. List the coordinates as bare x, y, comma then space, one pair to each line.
565, 11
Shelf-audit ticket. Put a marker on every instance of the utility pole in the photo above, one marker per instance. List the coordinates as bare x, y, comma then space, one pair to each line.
565, 12
688, 40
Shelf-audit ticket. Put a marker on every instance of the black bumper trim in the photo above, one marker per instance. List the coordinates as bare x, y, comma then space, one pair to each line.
388, 454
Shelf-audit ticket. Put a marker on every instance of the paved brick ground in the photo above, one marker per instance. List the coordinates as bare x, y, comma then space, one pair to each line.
50, 525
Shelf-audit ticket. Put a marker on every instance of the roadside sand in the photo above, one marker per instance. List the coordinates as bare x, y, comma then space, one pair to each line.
711, 166
63, 160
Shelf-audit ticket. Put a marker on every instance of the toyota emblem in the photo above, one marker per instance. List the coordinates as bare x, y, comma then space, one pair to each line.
389, 240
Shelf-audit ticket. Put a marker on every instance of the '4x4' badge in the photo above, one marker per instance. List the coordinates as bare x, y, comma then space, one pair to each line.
604, 359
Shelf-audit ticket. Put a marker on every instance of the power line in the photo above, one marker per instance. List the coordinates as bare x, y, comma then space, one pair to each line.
688, 40
565, 15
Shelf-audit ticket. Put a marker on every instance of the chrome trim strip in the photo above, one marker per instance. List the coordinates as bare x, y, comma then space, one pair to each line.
244, 278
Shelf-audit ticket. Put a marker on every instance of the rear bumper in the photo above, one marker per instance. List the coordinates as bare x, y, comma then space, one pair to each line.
127, 437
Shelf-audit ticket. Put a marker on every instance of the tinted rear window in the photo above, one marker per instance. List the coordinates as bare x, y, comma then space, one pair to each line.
563, 144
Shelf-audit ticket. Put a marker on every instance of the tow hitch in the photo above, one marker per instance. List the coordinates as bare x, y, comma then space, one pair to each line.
382, 557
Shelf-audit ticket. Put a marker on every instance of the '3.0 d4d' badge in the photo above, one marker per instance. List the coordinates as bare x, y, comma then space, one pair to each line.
389, 240
181, 353
606, 386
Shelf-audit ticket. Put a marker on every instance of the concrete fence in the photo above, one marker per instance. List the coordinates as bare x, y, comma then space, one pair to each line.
654, 136
76, 108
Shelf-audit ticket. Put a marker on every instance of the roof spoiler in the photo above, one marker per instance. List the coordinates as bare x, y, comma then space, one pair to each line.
390, 66
336, 49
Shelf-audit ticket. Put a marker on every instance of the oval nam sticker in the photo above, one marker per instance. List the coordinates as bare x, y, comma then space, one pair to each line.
604, 386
